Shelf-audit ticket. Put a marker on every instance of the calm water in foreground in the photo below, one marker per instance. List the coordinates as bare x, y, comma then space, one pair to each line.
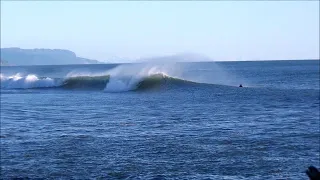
145, 121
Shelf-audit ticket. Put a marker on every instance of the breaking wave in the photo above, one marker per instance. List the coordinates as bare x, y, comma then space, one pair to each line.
26, 82
125, 77
106, 82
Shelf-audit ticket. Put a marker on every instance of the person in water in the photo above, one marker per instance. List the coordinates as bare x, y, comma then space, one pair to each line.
313, 173
240, 85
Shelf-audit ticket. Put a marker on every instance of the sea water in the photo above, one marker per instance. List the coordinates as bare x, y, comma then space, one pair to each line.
160, 120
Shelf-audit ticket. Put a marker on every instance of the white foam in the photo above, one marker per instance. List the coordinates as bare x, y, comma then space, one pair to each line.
18, 81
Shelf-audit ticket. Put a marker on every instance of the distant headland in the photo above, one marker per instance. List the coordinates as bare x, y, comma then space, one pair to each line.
21, 57
28, 57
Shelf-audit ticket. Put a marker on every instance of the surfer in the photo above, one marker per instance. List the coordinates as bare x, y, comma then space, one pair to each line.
240, 85
313, 173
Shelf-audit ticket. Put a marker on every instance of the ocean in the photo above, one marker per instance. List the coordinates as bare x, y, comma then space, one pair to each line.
161, 120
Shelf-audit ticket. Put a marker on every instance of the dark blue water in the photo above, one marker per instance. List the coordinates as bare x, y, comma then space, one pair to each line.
212, 129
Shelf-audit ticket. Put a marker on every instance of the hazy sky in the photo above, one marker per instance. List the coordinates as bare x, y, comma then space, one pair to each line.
229, 30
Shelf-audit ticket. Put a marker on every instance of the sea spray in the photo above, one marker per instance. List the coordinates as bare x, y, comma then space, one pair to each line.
126, 77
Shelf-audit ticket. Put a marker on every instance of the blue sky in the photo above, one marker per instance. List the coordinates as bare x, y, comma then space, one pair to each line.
229, 30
